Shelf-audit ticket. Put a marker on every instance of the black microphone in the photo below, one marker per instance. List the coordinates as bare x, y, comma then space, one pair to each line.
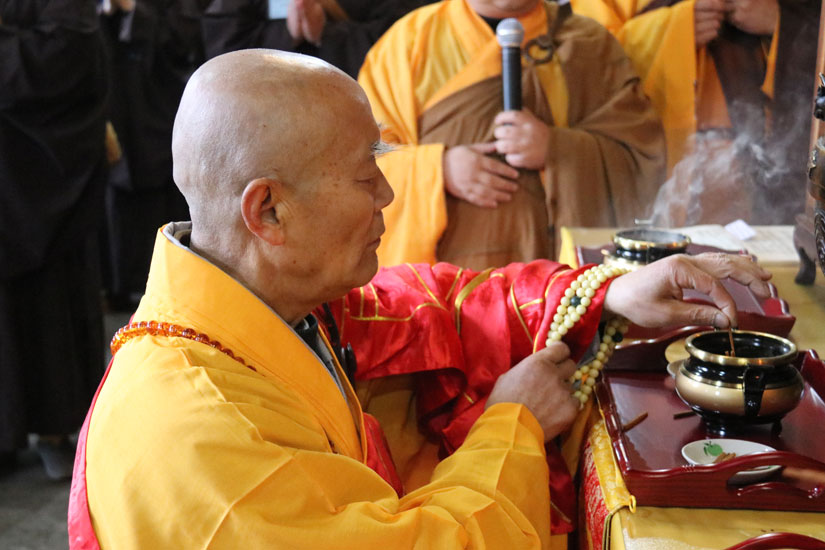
509, 34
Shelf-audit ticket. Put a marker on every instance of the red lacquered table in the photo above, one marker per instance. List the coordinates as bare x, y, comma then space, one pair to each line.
693, 525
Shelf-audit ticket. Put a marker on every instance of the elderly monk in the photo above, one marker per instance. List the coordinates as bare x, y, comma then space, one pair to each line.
481, 187
228, 419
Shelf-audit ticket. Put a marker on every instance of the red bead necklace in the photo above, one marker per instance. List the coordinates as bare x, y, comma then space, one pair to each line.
155, 328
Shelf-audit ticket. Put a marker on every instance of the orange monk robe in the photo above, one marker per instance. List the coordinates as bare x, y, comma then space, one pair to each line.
187, 448
606, 150
680, 80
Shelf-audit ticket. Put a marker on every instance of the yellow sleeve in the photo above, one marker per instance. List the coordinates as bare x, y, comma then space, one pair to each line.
417, 217
491, 493
246, 464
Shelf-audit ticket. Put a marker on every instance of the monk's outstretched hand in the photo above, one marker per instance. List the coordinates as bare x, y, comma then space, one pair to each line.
652, 296
539, 382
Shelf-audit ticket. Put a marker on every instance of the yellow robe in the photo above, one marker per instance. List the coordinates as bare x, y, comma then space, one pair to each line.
187, 448
606, 156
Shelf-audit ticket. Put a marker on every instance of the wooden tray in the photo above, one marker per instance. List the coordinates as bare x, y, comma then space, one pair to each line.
649, 454
641, 345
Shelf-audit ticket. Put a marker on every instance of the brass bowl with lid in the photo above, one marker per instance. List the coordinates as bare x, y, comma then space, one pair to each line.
634, 248
759, 385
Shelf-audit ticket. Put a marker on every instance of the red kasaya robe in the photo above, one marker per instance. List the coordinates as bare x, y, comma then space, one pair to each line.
457, 330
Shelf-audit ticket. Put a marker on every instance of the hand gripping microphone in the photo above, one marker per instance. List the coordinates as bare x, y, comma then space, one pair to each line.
509, 34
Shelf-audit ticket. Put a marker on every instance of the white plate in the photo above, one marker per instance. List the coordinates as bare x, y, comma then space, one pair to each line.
673, 368
705, 451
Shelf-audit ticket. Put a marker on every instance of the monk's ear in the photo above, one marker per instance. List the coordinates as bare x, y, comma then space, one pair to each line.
261, 204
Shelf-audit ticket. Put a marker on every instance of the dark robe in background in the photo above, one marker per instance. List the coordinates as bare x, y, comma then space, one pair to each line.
52, 175
154, 49
792, 107
352, 27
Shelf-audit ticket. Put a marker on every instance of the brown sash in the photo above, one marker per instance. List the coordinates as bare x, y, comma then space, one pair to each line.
476, 237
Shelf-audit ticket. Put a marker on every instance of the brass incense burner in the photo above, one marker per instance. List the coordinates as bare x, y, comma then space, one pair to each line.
637, 247
759, 385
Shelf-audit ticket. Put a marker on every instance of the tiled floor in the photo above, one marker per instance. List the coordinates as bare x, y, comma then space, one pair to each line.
33, 507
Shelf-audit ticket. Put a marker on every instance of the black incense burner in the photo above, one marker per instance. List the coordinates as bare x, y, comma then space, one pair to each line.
634, 248
759, 385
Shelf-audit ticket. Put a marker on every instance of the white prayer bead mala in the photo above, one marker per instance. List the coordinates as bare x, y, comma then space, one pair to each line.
572, 307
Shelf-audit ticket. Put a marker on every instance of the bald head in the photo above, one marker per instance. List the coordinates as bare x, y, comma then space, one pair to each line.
251, 114
276, 156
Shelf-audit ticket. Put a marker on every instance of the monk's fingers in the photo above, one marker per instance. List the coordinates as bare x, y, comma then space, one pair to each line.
710, 5
497, 183
505, 131
707, 28
513, 147
706, 31
740, 268
706, 20
498, 168
519, 160
485, 197
685, 313
566, 368
509, 117
687, 275
505, 146
484, 148
556, 352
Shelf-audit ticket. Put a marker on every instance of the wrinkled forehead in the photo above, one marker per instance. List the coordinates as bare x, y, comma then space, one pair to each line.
342, 125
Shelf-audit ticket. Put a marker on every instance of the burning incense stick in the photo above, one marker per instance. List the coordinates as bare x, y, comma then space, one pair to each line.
730, 337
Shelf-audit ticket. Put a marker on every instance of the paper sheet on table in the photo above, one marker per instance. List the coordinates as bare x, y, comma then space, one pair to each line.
772, 244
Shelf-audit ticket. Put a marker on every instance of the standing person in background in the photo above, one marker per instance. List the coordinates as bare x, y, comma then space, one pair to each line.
52, 175
479, 187
155, 46
732, 81
340, 33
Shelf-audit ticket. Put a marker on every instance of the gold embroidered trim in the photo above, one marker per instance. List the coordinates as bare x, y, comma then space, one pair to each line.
420, 280
517, 309
459, 300
452, 287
